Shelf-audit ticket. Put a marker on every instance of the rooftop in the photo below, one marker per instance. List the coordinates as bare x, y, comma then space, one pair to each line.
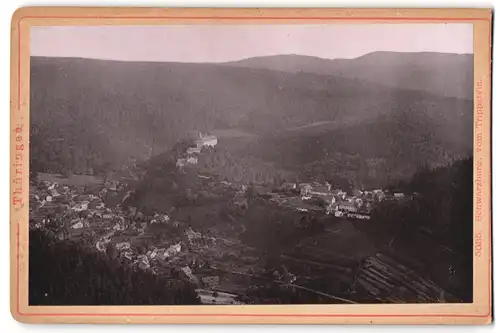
207, 138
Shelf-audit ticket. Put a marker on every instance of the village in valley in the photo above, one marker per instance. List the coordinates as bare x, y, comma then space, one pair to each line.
306, 197
212, 255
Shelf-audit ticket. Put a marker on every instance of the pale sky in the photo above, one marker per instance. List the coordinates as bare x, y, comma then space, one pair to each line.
219, 43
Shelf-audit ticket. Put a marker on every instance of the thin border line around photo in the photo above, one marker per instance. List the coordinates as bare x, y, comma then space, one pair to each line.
351, 315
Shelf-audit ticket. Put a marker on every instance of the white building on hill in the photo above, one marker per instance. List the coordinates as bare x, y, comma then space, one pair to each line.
208, 140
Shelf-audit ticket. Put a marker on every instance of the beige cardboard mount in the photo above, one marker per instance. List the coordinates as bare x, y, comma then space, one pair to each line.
479, 312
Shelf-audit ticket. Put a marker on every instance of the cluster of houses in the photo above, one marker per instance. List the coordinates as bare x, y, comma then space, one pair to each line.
190, 156
156, 259
357, 204
145, 261
75, 207
74, 214
52, 200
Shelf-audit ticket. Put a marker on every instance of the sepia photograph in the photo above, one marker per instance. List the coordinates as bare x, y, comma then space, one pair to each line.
252, 164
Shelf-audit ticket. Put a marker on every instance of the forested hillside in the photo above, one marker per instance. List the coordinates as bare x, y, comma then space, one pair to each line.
440, 216
92, 115
241, 168
375, 152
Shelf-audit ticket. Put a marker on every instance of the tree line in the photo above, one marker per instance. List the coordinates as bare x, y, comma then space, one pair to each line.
239, 168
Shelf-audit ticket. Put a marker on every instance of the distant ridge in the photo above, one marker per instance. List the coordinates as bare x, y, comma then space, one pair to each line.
445, 74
